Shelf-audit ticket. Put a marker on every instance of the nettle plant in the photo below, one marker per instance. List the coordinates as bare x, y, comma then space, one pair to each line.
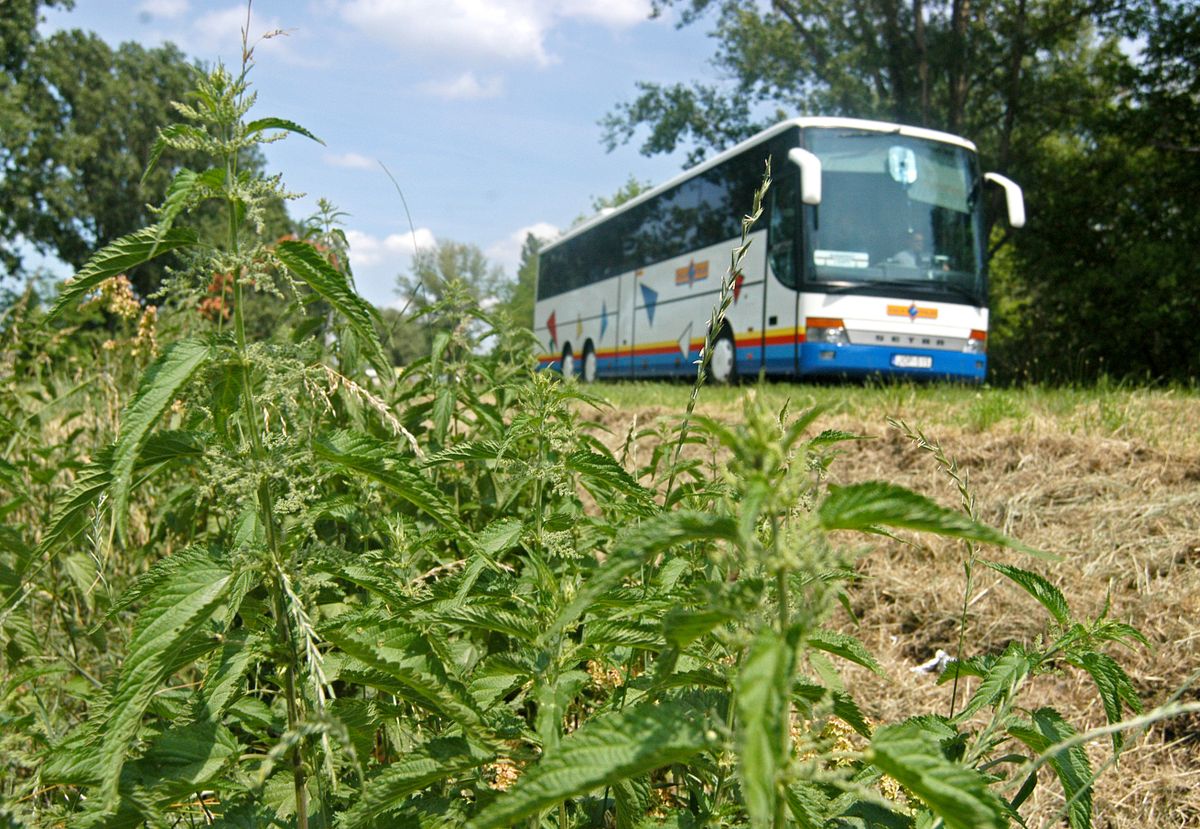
443, 601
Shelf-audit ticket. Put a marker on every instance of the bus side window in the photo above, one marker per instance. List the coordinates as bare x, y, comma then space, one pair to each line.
781, 229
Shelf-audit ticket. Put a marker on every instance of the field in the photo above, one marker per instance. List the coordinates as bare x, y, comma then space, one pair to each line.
1107, 478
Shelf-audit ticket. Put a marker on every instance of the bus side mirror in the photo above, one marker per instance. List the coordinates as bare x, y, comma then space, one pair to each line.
1012, 196
810, 174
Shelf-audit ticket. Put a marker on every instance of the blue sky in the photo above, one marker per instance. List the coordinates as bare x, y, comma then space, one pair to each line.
485, 111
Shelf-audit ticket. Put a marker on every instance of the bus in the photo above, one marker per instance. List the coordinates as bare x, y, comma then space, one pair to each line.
870, 258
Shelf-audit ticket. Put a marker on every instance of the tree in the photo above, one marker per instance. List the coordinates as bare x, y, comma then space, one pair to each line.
451, 274
78, 121
523, 295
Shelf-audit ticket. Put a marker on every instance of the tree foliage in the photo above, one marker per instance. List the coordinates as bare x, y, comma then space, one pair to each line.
78, 124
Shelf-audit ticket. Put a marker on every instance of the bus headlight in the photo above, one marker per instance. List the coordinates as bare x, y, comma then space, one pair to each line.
976, 343
826, 330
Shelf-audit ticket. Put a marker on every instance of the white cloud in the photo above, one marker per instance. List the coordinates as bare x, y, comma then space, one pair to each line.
507, 252
353, 161
509, 30
466, 87
370, 251
219, 31
616, 13
168, 9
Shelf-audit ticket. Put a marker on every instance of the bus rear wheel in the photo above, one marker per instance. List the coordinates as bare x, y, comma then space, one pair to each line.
568, 363
588, 369
722, 368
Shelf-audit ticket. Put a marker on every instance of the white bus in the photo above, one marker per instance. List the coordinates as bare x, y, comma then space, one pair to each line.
870, 258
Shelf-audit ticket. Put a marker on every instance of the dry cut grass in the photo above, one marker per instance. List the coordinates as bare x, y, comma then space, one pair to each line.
1109, 480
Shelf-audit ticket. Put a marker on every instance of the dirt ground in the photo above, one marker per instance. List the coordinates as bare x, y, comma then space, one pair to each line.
1111, 484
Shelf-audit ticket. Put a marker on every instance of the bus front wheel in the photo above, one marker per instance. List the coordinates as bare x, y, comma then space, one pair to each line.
568, 363
723, 365
588, 370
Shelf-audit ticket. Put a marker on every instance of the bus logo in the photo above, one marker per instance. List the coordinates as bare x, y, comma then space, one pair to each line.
913, 312
693, 273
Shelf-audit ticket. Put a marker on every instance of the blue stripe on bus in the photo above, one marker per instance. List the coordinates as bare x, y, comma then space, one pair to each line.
839, 360
861, 360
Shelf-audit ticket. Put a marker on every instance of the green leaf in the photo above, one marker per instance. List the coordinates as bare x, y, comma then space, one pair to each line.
257, 126
363, 454
845, 646
638, 544
307, 264
436, 761
682, 627
183, 760
1003, 676
762, 687
193, 586
416, 672
1071, 765
116, 258
632, 799
223, 679
174, 132
604, 751
179, 193
623, 633
72, 506
1116, 690
957, 794
500, 536
868, 505
603, 472
1039, 587
159, 387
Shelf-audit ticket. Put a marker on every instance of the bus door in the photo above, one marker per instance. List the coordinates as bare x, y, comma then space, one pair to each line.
781, 306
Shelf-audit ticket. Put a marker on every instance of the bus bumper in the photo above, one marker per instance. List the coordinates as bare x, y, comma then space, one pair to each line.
823, 359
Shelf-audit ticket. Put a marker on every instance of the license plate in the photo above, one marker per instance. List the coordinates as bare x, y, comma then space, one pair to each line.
912, 361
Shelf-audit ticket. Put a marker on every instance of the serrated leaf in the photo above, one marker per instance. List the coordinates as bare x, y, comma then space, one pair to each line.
682, 627
1049, 596
623, 633
178, 194
159, 387
1011, 668
116, 258
604, 751
632, 800
845, 646
1116, 690
500, 536
282, 124
957, 794
434, 762
174, 132
868, 505
638, 544
1071, 765
363, 454
307, 264
223, 678
178, 607
478, 450
422, 678
762, 687
603, 471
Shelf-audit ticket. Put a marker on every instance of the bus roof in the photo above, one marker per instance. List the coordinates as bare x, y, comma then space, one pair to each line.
802, 122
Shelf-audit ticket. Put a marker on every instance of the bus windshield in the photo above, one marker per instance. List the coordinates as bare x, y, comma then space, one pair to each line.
896, 210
